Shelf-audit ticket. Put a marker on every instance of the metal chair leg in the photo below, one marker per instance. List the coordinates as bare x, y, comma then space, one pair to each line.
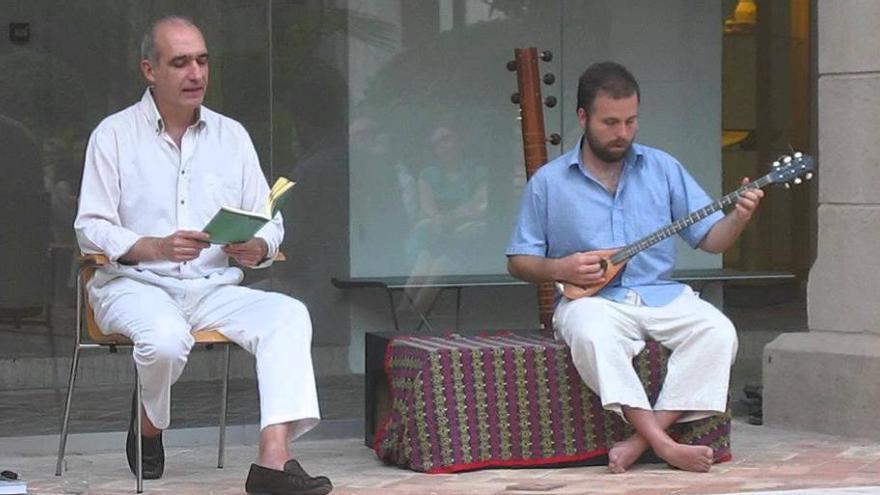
65, 423
224, 395
422, 316
139, 431
457, 307
393, 309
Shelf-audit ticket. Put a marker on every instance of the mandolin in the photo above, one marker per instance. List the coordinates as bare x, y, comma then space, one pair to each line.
785, 170
528, 97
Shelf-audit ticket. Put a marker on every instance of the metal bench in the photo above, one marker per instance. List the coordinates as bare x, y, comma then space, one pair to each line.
699, 279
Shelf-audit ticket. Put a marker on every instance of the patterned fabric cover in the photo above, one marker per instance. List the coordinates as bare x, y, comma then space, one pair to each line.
470, 402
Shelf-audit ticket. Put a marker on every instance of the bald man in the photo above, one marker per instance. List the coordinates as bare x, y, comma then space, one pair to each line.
154, 175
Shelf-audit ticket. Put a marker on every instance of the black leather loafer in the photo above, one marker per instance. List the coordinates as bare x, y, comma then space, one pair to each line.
154, 451
292, 481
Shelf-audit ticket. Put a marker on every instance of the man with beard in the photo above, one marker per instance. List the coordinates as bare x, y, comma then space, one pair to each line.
608, 192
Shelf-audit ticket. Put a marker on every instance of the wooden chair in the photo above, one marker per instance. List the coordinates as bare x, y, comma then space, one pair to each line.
94, 338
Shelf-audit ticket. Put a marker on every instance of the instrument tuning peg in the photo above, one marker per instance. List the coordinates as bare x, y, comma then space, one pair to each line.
787, 185
776, 164
787, 159
808, 175
514, 98
546, 55
511, 65
797, 180
798, 155
550, 101
555, 139
549, 79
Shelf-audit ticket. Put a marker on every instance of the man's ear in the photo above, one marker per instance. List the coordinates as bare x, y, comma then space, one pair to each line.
147, 70
583, 118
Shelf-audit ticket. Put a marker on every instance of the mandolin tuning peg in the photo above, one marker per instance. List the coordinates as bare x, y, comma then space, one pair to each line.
550, 101
776, 164
787, 185
511, 65
797, 180
808, 175
798, 155
786, 160
555, 139
549, 79
546, 55
514, 98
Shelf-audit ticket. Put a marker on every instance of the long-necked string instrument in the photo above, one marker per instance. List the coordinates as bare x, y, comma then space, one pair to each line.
785, 170
529, 100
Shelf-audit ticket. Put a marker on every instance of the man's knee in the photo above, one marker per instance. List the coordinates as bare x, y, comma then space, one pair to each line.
293, 317
728, 337
720, 336
169, 340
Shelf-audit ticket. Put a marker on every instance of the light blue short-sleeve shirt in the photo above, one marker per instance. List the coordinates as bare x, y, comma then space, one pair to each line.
564, 210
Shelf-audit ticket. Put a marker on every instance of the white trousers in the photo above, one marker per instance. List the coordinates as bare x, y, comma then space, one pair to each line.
605, 336
160, 313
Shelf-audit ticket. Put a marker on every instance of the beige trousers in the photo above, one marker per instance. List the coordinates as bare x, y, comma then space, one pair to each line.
160, 313
605, 336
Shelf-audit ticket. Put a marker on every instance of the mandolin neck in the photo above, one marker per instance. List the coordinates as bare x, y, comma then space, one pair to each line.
675, 227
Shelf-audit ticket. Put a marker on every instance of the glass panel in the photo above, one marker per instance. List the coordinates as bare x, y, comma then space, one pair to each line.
673, 49
309, 118
436, 156
78, 65
394, 117
436, 160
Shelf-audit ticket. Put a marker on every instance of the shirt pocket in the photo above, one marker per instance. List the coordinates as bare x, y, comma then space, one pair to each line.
221, 192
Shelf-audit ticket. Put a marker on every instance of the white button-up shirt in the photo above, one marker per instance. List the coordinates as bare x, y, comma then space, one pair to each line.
138, 183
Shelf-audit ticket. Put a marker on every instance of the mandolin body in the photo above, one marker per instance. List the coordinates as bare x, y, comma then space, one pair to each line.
573, 291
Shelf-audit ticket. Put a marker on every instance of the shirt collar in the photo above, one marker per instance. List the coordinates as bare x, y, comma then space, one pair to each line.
154, 118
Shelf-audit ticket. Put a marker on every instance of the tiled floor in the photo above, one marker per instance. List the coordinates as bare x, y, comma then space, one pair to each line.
765, 460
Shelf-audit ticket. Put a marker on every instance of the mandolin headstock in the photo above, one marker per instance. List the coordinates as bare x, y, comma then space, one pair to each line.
792, 169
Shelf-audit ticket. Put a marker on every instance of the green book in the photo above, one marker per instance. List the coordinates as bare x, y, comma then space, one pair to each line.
231, 225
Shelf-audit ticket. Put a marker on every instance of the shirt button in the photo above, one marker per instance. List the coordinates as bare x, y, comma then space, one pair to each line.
183, 172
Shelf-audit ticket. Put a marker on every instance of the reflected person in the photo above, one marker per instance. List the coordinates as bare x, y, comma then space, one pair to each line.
386, 199
24, 207
453, 196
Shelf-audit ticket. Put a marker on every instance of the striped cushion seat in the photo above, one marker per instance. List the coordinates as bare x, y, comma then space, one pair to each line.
468, 402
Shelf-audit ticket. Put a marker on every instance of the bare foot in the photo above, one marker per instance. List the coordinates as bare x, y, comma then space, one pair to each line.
625, 453
695, 458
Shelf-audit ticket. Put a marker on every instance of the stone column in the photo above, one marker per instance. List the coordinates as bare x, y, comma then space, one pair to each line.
828, 379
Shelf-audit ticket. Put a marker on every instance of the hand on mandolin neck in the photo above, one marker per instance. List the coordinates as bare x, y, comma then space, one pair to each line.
585, 274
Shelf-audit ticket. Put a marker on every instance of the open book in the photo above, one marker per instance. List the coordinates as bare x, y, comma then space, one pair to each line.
231, 225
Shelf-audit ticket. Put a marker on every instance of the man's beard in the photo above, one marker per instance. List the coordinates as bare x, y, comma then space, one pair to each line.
603, 152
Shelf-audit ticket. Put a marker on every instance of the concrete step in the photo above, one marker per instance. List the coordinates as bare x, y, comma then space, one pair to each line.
101, 367
194, 405
187, 438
